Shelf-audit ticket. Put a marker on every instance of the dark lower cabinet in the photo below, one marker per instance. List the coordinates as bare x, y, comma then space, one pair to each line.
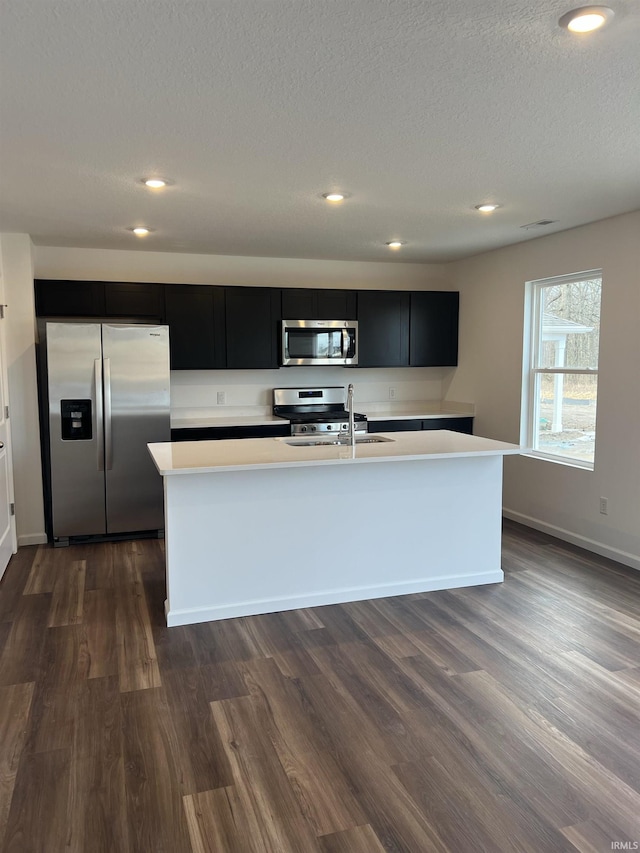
300, 303
455, 424
433, 329
195, 315
383, 328
394, 425
217, 433
461, 424
252, 323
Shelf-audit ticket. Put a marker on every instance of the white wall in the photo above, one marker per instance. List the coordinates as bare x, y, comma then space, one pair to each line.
177, 268
23, 394
557, 498
194, 392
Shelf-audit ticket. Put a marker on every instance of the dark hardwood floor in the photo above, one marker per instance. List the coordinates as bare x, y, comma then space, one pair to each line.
498, 718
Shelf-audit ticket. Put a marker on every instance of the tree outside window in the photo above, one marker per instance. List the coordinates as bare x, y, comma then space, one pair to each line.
561, 367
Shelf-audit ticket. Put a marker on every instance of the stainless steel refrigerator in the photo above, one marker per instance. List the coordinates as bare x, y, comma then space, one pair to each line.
108, 396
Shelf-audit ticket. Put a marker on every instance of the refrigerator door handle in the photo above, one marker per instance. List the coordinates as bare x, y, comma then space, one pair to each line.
108, 443
97, 373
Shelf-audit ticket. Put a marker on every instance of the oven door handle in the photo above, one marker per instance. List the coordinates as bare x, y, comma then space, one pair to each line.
346, 342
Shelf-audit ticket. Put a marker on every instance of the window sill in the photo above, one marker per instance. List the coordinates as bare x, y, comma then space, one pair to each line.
569, 463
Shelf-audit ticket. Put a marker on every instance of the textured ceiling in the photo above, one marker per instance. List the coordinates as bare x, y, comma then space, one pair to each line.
420, 109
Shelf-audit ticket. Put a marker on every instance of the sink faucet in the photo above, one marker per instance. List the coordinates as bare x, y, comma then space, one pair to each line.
351, 434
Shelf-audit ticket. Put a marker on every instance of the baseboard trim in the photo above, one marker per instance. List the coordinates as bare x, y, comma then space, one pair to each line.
318, 599
616, 554
32, 539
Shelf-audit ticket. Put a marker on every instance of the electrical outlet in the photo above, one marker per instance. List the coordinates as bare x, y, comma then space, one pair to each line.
221, 398
604, 506
392, 393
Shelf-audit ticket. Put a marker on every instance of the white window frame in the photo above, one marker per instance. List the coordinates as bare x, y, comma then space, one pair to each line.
531, 373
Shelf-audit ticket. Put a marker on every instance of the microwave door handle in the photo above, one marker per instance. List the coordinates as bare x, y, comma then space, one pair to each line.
346, 341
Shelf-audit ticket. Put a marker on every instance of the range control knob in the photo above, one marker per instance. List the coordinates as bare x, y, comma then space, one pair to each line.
313, 428
303, 429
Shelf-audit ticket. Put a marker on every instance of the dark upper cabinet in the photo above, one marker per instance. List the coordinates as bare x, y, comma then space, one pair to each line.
252, 321
69, 298
433, 331
383, 328
100, 299
298, 304
129, 299
195, 315
314, 304
239, 327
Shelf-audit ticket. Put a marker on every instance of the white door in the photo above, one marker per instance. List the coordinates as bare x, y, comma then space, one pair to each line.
8, 545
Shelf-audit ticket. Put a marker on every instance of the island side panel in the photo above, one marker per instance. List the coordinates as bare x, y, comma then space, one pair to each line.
240, 543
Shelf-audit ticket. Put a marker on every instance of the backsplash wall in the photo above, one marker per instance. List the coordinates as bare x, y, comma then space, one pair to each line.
194, 393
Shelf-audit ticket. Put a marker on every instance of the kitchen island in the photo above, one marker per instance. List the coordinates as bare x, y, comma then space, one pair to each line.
261, 525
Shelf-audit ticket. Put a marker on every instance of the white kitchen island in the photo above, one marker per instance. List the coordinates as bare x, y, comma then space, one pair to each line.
261, 525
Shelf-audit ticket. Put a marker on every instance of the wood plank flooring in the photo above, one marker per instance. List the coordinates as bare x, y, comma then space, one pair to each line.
497, 718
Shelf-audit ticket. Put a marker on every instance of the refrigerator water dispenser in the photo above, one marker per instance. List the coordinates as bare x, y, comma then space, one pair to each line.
75, 416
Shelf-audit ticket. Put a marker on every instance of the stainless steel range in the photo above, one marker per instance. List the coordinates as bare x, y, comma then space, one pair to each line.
316, 410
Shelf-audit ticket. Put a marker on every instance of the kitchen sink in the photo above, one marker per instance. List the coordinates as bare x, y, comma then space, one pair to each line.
327, 442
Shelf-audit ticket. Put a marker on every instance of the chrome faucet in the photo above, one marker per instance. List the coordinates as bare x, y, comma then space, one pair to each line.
351, 432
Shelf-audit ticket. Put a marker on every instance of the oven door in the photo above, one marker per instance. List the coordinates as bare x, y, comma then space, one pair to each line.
319, 342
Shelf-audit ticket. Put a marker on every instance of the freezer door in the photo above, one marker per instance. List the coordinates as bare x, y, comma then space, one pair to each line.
136, 403
74, 380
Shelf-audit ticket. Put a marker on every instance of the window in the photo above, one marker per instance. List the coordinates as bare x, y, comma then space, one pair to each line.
560, 381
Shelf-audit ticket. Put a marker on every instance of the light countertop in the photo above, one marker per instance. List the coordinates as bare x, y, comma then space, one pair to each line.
402, 412
226, 421
207, 457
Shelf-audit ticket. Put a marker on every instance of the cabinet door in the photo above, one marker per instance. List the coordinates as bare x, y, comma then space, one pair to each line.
335, 305
298, 304
315, 304
394, 425
224, 433
383, 328
69, 298
195, 315
128, 299
253, 317
434, 329
455, 424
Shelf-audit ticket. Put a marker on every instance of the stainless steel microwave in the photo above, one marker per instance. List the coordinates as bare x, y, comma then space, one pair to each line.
319, 342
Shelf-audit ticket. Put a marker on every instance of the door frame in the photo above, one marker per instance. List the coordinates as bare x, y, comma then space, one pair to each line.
5, 433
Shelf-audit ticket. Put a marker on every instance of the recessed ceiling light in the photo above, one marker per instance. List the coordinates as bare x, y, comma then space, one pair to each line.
396, 244
156, 183
487, 208
585, 19
141, 230
334, 197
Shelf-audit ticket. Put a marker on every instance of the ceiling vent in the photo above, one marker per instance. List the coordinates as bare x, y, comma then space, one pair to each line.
541, 223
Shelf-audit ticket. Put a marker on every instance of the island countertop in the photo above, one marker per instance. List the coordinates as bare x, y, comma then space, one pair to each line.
205, 457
